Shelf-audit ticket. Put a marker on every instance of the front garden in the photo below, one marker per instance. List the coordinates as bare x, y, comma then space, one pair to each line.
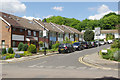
25, 50
113, 53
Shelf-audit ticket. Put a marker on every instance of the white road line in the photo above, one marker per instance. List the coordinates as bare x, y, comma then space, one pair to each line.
38, 64
81, 68
59, 67
70, 67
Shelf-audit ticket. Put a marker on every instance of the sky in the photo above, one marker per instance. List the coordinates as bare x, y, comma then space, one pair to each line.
77, 10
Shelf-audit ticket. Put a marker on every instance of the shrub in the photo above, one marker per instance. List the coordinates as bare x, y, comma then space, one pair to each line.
55, 46
20, 46
24, 48
10, 50
67, 40
4, 51
117, 55
41, 43
32, 48
116, 44
26, 53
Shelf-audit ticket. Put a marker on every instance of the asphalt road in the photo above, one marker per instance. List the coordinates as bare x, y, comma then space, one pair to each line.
57, 66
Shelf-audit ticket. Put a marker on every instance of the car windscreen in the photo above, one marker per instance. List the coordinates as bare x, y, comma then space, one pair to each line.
76, 44
62, 45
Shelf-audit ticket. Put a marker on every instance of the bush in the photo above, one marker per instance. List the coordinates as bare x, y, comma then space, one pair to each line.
20, 46
10, 50
41, 43
4, 51
55, 46
67, 40
26, 53
8, 56
116, 44
32, 48
25, 47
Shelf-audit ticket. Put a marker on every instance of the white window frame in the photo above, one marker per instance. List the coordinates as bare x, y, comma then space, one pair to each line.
29, 32
40, 33
34, 33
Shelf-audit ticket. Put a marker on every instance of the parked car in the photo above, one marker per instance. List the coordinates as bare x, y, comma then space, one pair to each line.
110, 41
78, 46
87, 44
97, 43
66, 48
93, 43
102, 43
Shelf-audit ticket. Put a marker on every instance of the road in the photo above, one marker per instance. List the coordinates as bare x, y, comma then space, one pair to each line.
57, 66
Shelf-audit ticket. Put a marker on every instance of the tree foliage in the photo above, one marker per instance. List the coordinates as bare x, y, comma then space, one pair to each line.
89, 35
109, 21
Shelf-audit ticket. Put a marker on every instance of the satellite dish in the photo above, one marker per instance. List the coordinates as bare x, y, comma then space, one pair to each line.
7, 27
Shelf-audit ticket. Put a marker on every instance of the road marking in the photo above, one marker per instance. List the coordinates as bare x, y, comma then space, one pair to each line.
38, 64
70, 67
81, 68
59, 67
94, 66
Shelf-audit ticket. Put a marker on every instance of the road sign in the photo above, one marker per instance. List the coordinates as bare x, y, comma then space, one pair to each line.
44, 33
97, 31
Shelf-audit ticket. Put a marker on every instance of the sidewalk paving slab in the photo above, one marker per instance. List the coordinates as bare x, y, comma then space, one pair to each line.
96, 60
26, 58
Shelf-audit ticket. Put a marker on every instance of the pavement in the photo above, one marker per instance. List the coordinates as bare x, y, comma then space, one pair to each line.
27, 58
95, 60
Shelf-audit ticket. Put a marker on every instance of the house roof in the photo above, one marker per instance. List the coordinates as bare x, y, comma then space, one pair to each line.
73, 30
8, 18
66, 30
48, 26
20, 22
110, 31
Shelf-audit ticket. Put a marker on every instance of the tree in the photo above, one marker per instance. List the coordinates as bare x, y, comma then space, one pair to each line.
41, 43
20, 46
88, 35
110, 37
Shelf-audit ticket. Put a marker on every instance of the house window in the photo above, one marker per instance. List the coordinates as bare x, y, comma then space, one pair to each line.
21, 30
34, 33
29, 32
14, 44
3, 43
40, 33
47, 35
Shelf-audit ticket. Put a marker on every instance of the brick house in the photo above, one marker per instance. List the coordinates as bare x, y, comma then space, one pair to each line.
14, 30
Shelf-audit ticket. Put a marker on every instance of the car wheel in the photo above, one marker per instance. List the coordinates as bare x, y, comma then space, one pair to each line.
68, 51
79, 49
59, 52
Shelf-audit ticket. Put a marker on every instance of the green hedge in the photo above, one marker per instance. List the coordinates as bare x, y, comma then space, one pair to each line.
116, 44
20, 46
110, 54
10, 50
32, 48
4, 51
25, 47
55, 46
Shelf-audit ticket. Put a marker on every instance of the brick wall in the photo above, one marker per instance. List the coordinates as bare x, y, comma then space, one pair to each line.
6, 34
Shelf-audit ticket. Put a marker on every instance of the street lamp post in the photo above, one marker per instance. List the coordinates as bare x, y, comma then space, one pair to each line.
44, 46
44, 35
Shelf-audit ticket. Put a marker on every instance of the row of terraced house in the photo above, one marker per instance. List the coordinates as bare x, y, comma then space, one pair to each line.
14, 29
